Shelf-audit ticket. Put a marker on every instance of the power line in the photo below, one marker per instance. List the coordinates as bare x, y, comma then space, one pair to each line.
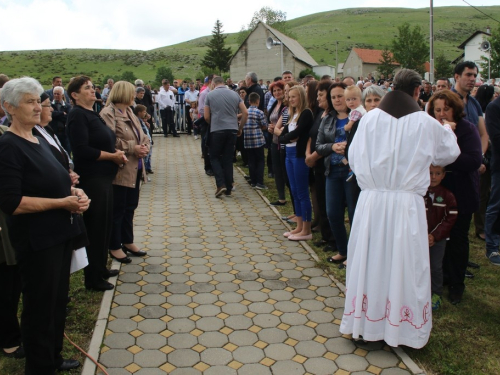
480, 11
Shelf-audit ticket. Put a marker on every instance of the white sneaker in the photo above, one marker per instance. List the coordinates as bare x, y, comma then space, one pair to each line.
196, 137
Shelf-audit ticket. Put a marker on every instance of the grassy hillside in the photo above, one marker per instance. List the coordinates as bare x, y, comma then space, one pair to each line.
318, 33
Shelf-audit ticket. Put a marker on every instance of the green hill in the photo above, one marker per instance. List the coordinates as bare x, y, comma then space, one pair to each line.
318, 33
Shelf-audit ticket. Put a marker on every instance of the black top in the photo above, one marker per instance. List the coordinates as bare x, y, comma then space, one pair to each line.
313, 133
255, 88
304, 124
89, 135
30, 169
492, 126
59, 154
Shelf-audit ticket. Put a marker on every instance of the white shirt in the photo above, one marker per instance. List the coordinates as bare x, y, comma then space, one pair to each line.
192, 96
291, 127
165, 98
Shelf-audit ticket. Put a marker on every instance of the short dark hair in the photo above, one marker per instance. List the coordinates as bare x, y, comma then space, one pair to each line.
444, 79
334, 85
139, 108
56, 77
276, 79
254, 98
460, 67
451, 99
406, 80
75, 85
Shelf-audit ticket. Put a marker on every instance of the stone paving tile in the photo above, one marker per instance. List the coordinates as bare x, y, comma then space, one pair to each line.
221, 292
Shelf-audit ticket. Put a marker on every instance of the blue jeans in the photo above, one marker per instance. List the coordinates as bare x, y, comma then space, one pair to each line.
492, 212
222, 145
338, 193
298, 175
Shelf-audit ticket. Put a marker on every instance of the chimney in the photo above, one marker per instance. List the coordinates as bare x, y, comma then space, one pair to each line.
488, 30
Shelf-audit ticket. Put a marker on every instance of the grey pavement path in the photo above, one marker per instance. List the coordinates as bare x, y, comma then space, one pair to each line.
221, 291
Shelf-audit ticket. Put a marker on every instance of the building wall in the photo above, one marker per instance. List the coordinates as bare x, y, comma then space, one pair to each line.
353, 65
254, 56
472, 51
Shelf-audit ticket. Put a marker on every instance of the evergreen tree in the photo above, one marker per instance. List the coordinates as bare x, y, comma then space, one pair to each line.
271, 17
217, 56
494, 56
163, 73
410, 48
387, 63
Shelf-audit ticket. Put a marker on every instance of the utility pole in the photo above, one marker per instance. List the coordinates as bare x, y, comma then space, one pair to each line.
431, 73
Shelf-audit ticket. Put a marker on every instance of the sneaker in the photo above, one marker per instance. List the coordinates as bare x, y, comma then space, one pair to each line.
252, 185
494, 258
195, 137
247, 177
260, 187
220, 191
469, 274
436, 302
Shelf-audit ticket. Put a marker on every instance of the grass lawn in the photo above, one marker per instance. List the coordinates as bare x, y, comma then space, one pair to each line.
82, 315
464, 339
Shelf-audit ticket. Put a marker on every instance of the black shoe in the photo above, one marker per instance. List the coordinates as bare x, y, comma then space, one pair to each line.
320, 243
68, 364
126, 259
209, 173
149, 171
329, 248
100, 287
473, 265
247, 178
469, 274
455, 296
336, 261
17, 354
110, 273
139, 253
177, 136
278, 203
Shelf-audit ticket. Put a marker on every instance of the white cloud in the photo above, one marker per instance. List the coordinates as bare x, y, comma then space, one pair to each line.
144, 25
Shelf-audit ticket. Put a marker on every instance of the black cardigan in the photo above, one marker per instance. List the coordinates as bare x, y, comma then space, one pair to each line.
304, 124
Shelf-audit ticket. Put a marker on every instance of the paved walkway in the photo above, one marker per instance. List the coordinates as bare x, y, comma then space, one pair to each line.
221, 290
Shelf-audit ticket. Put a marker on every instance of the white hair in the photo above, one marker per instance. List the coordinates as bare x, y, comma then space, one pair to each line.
58, 88
14, 90
139, 82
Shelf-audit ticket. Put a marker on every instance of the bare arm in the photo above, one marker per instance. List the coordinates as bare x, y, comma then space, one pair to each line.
244, 115
78, 202
483, 134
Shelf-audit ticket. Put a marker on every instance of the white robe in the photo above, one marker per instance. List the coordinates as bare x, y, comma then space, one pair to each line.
388, 293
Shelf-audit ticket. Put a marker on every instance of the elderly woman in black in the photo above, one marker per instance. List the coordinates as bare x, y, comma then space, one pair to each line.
96, 161
36, 191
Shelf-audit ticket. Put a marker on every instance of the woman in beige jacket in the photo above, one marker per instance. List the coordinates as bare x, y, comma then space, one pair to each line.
130, 138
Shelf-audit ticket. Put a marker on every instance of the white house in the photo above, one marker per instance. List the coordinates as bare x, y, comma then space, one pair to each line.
472, 50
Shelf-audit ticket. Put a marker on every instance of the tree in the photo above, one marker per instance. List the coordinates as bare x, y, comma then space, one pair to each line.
410, 48
128, 76
387, 63
494, 56
271, 17
218, 55
443, 67
163, 73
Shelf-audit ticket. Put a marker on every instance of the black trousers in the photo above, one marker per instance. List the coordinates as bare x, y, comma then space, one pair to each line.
125, 201
279, 176
320, 186
256, 164
167, 121
45, 286
10, 292
222, 145
189, 121
204, 148
456, 255
98, 220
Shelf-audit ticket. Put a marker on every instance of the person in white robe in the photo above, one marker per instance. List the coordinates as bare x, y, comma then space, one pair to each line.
388, 294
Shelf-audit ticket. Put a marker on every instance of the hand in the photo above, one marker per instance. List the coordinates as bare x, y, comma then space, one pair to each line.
339, 148
75, 204
141, 151
431, 240
278, 131
453, 125
74, 178
119, 157
310, 161
482, 169
240, 132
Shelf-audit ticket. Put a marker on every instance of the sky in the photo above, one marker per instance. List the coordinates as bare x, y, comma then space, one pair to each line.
149, 24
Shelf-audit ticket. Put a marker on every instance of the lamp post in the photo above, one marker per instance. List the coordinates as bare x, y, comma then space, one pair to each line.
270, 42
431, 70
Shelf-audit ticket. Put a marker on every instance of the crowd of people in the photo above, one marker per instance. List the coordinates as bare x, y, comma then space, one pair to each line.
411, 163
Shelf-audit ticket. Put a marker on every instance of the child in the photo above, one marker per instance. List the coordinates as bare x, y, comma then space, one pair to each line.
193, 112
141, 112
353, 100
254, 142
441, 208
